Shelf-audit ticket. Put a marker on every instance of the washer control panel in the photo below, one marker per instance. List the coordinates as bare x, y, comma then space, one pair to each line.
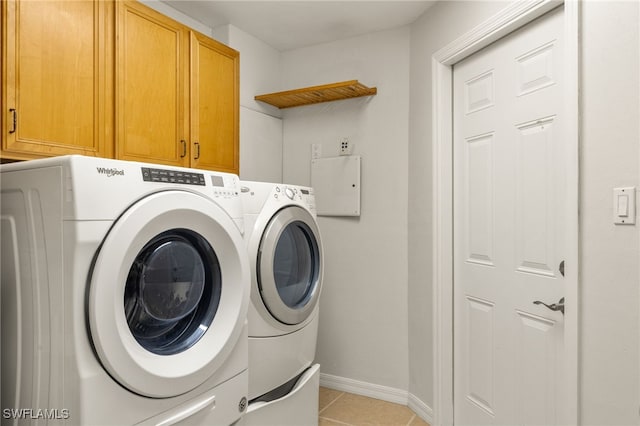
172, 176
224, 185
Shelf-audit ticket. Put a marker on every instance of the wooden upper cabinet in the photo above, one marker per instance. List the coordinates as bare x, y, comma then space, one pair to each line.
57, 78
214, 105
115, 79
177, 93
152, 54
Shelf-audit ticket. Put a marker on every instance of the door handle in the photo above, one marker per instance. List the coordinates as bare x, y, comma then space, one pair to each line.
184, 148
554, 306
197, 145
14, 120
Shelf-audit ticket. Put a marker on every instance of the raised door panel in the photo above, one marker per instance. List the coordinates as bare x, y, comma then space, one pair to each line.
479, 197
214, 105
536, 198
152, 86
479, 354
538, 352
58, 71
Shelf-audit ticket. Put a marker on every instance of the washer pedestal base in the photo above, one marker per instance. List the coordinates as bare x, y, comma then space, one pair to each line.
298, 408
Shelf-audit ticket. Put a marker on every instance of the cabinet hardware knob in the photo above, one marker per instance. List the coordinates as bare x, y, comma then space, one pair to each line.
184, 148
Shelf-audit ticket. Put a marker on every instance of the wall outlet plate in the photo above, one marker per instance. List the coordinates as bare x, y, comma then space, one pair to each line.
346, 147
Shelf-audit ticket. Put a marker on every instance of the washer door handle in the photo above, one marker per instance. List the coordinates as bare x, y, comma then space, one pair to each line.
179, 414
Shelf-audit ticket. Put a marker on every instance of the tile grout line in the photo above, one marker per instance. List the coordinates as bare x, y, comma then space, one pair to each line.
411, 419
331, 403
337, 421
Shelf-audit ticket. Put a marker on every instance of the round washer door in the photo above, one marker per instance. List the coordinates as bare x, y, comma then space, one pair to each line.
168, 293
289, 270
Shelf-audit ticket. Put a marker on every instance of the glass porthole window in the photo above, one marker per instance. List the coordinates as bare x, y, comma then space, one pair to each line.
172, 292
296, 264
289, 266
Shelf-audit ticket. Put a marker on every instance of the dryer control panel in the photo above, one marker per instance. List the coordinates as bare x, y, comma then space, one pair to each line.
301, 195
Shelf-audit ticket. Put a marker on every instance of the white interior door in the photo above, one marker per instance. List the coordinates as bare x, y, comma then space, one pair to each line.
509, 233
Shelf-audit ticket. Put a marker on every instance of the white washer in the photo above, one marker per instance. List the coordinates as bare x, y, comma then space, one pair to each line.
125, 289
285, 252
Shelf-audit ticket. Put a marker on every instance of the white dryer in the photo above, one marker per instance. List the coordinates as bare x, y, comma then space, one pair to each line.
285, 253
125, 289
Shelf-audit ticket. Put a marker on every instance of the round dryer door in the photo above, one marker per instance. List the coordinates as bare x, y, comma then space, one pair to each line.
289, 268
168, 293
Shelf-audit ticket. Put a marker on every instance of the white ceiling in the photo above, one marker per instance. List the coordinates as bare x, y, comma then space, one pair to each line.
287, 25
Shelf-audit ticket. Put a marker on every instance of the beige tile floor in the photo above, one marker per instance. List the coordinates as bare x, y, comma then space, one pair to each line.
339, 408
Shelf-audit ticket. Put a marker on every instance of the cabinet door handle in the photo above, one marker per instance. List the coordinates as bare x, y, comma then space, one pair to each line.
14, 121
184, 148
197, 144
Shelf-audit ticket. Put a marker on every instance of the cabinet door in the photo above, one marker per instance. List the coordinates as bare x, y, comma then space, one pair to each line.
58, 73
152, 86
214, 105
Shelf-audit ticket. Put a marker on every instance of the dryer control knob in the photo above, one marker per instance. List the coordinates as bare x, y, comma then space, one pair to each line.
289, 192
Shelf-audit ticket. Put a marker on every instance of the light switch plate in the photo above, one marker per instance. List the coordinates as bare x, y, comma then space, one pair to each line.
624, 205
316, 151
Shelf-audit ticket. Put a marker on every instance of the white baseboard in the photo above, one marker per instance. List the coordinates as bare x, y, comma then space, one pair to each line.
421, 409
384, 393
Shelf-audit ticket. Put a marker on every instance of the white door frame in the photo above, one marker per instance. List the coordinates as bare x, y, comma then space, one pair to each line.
514, 16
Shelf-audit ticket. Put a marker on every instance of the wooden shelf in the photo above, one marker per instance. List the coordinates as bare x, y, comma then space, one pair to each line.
317, 94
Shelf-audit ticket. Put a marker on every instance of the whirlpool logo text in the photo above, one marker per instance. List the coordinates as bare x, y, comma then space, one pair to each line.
110, 172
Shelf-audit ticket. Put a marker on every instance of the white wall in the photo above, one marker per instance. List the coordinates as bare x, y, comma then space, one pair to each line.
363, 314
440, 25
610, 276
